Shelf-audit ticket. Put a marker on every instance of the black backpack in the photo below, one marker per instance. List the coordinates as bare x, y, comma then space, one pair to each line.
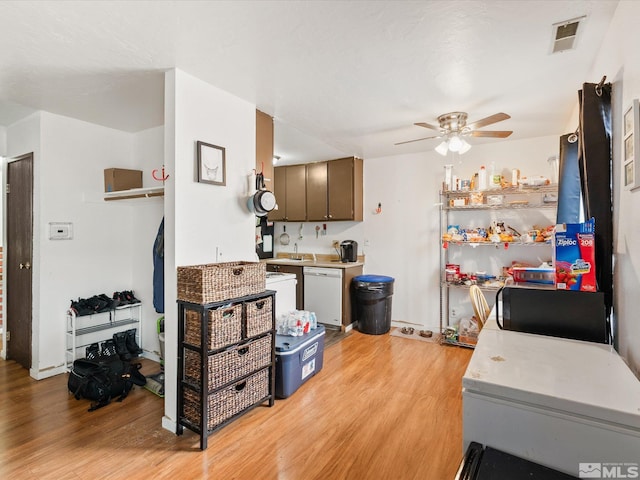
103, 379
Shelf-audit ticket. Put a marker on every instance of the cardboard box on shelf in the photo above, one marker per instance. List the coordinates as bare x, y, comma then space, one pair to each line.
117, 179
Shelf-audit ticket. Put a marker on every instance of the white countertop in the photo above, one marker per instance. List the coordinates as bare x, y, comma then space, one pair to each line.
581, 378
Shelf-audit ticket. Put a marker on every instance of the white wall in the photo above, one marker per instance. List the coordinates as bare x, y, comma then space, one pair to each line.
108, 251
98, 258
3, 141
200, 217
148, 155
323, 244
619, 60
404, 239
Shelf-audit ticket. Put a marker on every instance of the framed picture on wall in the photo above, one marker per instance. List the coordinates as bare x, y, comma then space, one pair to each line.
631, 147
211, 163
628, 174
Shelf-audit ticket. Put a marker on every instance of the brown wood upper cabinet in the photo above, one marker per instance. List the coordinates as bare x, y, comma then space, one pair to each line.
290, 192
317, 189
334, 190
264, 148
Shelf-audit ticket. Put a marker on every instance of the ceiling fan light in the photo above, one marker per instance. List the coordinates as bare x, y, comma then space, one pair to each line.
455, 144
443, 148
465, 147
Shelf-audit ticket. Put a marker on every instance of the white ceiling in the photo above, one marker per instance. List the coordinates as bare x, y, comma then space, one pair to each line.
340, 77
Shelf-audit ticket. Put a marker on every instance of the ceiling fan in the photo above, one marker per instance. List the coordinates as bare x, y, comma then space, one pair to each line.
453, 126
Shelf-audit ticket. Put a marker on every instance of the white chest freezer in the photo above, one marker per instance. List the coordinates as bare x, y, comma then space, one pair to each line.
554, 401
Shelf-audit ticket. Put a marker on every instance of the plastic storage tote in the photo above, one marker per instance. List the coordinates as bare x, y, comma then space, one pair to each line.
297, 360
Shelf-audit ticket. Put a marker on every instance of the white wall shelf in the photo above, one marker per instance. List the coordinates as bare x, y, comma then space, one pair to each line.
135, 193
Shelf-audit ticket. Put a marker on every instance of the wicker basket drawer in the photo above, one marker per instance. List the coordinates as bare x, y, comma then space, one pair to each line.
227, 402
259, 318
214, 282
225, 326
232, 363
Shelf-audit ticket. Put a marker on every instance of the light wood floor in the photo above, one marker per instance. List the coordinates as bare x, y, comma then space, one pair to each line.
383, 407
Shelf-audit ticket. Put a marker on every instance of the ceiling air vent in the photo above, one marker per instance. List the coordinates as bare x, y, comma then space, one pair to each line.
565, 34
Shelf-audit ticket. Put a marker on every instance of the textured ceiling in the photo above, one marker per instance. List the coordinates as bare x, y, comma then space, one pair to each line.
340, 77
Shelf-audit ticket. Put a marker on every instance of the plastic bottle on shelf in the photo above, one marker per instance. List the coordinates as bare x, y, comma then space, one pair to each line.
482, 178
495, 179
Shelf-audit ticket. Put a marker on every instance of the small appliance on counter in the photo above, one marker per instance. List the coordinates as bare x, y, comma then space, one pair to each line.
348, 251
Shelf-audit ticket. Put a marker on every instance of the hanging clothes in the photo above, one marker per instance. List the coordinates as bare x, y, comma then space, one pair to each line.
158, 270
595, 161
569, 185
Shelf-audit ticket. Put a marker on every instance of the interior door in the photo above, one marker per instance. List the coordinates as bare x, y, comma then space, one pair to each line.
19, 201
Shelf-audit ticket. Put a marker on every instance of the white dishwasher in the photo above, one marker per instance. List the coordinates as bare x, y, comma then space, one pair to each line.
323, 294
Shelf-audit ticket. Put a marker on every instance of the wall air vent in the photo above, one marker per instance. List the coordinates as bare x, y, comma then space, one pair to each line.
565, 34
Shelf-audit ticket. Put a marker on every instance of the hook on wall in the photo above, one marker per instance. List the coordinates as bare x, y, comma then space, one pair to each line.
162, 178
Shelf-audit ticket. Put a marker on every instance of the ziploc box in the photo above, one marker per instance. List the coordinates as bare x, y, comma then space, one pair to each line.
574, 256
297, 360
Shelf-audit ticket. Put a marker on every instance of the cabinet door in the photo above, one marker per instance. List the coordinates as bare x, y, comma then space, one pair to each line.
344, 193
296, 198
264, 148
299, 286
317, 192
279, 190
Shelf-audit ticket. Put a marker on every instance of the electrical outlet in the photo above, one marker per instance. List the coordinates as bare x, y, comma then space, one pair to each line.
335, 243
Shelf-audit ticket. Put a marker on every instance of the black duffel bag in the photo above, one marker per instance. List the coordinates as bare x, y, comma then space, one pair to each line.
103, 380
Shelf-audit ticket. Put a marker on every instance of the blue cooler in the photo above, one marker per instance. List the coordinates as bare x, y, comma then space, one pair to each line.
297, 360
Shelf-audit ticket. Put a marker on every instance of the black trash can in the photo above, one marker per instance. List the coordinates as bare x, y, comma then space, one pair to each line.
372, 302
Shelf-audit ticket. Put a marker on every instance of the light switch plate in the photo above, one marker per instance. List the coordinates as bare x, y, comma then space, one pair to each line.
60, 231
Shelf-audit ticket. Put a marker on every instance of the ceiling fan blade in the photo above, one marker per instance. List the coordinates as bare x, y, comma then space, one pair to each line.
417, 140
493, 134
427, 125
498, 117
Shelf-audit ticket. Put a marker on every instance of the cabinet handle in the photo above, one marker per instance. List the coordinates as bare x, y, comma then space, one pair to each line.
239, 387
238, 271
260, 305
228, 313
330, 216
243, 351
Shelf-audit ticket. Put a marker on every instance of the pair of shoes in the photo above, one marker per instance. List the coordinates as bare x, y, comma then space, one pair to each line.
81, 307
95, 304
407, 330
126, 345
126, 297
425, 333
101, 352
